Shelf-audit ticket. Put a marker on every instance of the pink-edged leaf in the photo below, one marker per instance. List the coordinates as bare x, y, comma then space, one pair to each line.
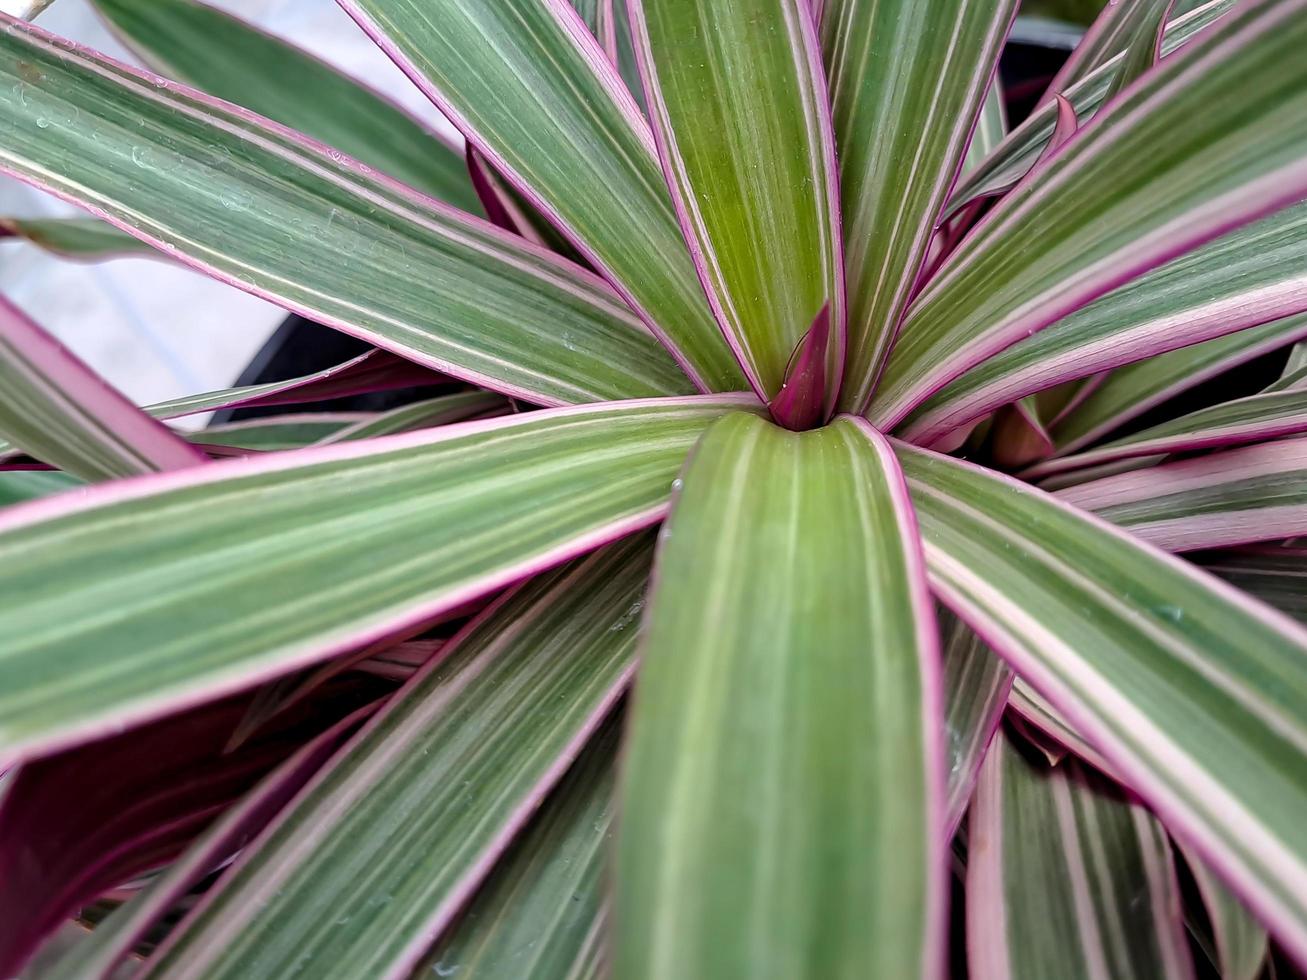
800, 403
1122, 197
1066, 875
56, 408
460, 758
1243, 495
737, 99
1127, 31
529, 86
352, 543
81, 822
1194, 692
907, 82
494, 199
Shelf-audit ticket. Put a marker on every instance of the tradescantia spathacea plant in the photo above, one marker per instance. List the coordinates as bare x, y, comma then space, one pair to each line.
952, 615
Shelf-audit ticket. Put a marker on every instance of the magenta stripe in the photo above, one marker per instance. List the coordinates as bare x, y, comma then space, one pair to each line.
83, 393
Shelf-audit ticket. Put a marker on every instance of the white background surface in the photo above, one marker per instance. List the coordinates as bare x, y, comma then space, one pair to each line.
156, 330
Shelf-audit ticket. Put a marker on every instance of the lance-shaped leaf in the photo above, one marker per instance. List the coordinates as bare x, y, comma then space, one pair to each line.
1241, 943
200, 594
1257, 418
738, 103
287, 219
1132, 390
543, 911
453, 767
113, 940
1250, 277
211, 50
56, 408
1196, 693
1041, 718
15, 488
1067, 878
1126, 32
529, 87
426, 414
1121, 197
276, 432
907, 79
991, 127
623, 52
1277, 575
976, 685
83, 239
783, 796
1253, 493
1018, 153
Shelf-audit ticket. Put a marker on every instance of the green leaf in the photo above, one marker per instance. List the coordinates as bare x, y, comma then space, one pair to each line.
283, 218
1241, 944
385, 847
624, 58
1257, 418
1130, 391
1246, 279
542, 912
1067, 878
278, 432
57, 409
976, 684
18, 487
1253, 493
1033, 708
83, 239
907, 80
532, 90
206, 48
991, 127
1195, 693
1272, 573
782, 805
425, 414
738, 104
1128, 34
1018, 153
1121, 196
141, 597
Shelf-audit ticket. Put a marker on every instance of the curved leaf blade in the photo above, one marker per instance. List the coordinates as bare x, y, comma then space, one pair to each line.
1241, 944
907, 81
281, 217
80, 239
738, 105
1196, 694
197, 596
1121, 197
531, 89
1067, 878
1127, 32
809, 840
455, 765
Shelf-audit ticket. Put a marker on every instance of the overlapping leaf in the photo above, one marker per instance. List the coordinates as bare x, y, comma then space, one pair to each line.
376, 858
1196, 694
907, 79
530, 87
738, 104
83, 239
782, 804
284, 218
154, 593
1121, 197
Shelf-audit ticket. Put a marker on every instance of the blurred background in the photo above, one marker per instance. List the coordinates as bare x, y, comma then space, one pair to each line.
157, 330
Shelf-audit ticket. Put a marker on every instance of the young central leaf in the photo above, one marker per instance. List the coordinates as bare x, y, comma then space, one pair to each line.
737, 99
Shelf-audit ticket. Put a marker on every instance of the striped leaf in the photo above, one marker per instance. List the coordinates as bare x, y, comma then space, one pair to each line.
907, 80
991, 127
374, 860
542, 912
1129, 392
976, 685
1276, 575
425, 414
1241, 280
1035, 711
790, 634
348, 543
83, 239
1257, 418
531, 89
1127, 33
1196, 694
1018, 153
1241, 945
216, 53
16, 488
623, 53
56, 408
738, 105
275, 433
287, 219
1253, 493
1067, 878
1121, 197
